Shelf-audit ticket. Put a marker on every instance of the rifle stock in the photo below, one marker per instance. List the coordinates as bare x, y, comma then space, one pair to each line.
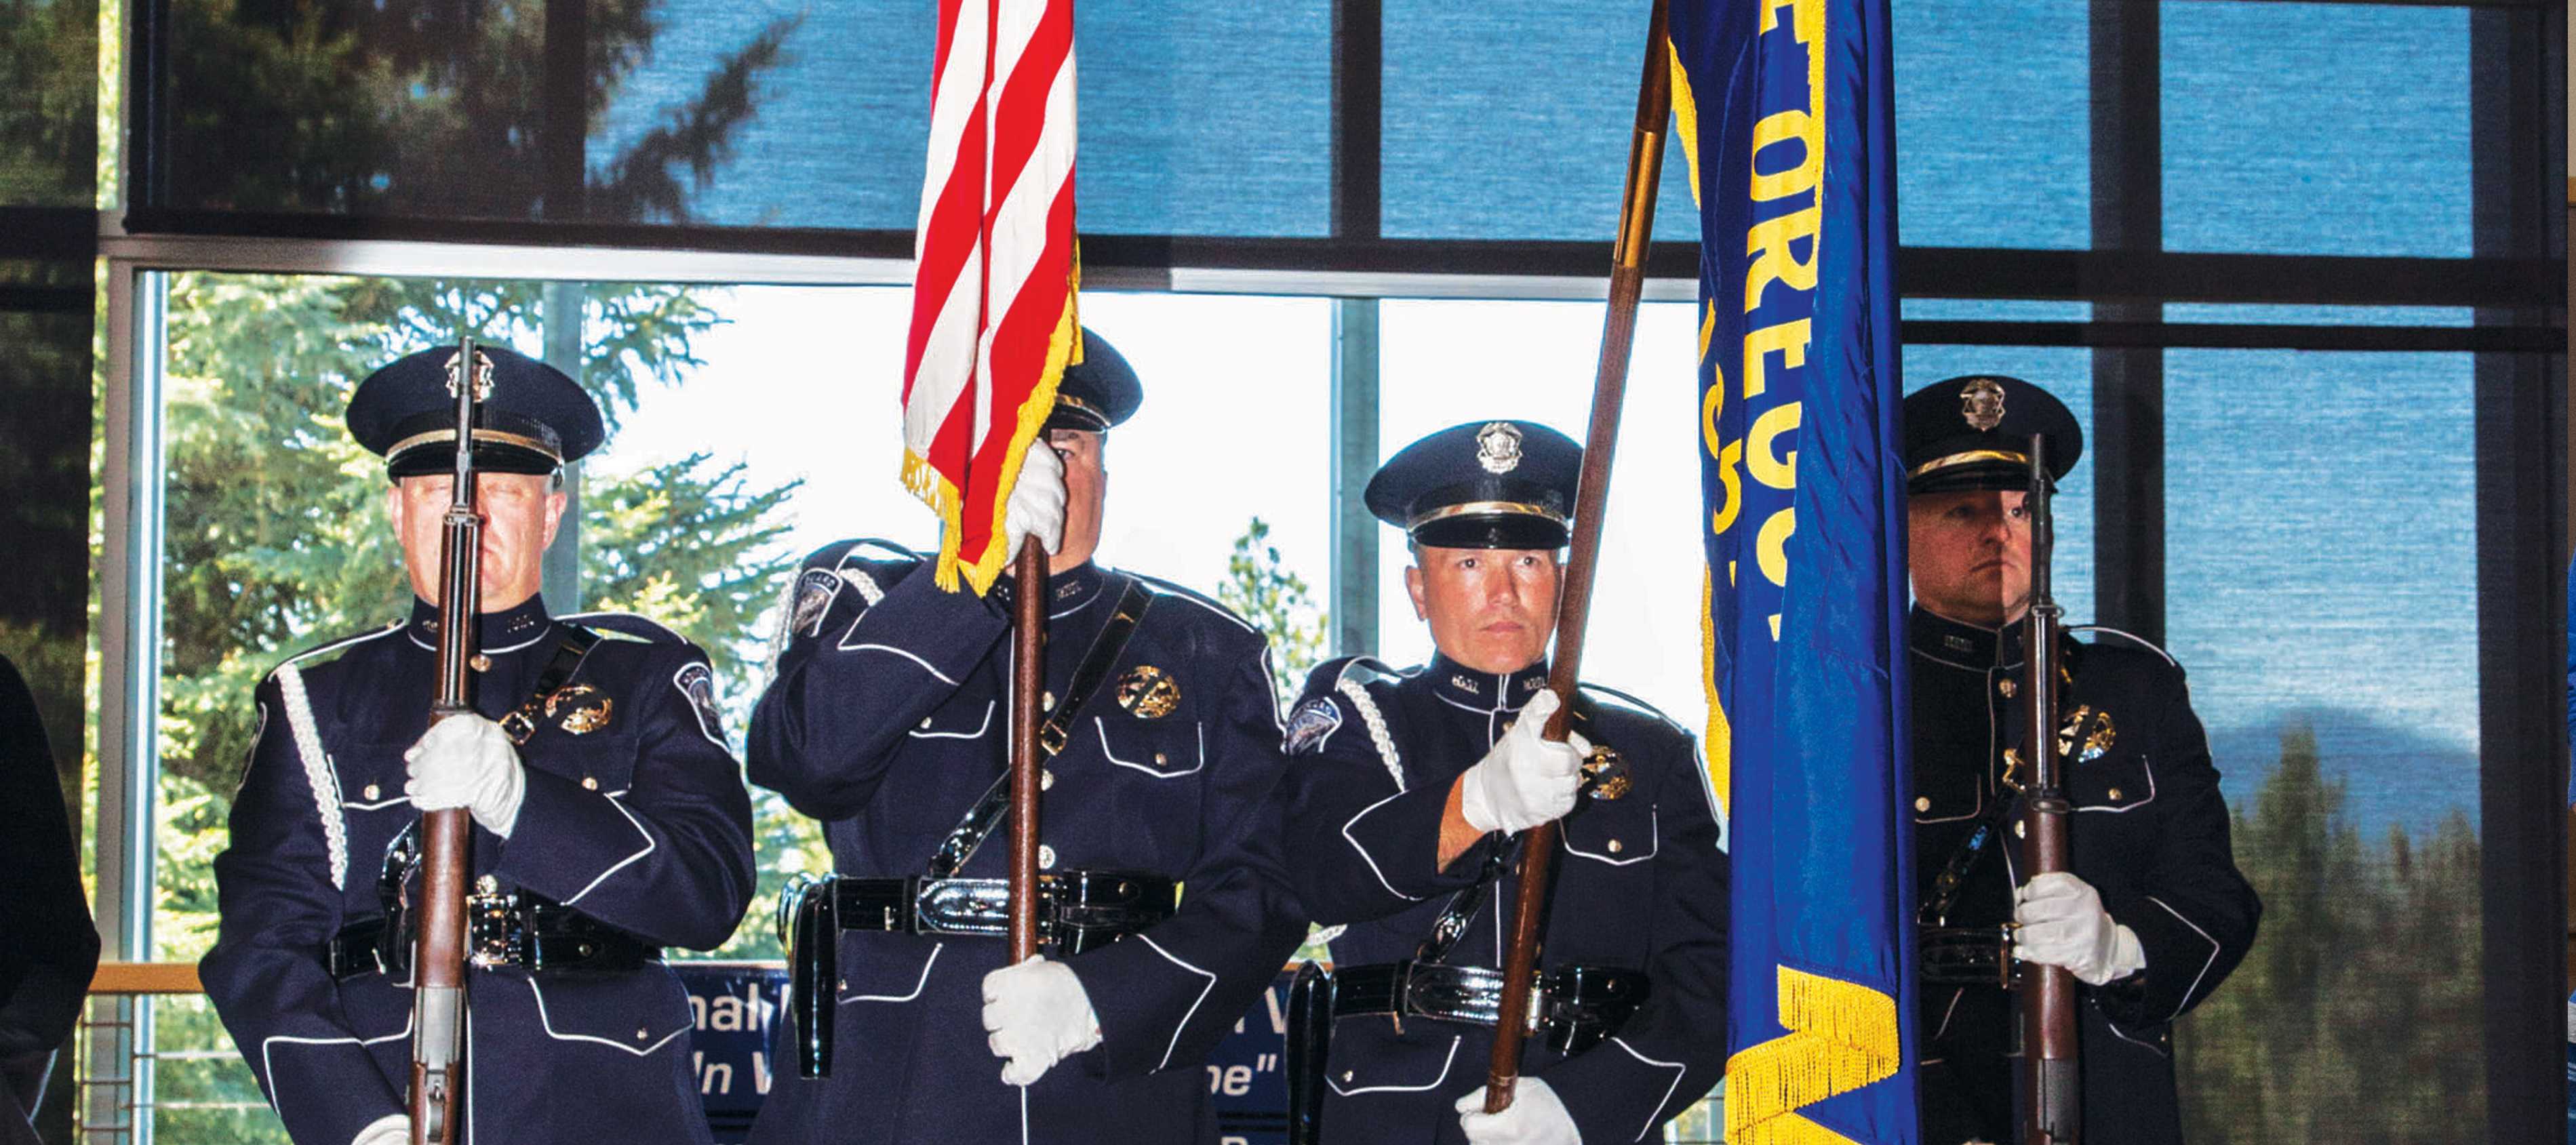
1591, 495
447, 837
2051, 1080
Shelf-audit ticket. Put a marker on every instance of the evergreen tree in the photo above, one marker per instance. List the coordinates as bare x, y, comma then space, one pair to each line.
2355, 1016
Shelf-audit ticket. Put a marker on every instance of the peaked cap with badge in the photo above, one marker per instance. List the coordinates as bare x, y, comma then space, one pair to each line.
1973, 432
533, 420
1482, 485
1098, 392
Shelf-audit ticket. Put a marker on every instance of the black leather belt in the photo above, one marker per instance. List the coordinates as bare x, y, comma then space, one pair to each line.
1077, 910
503, 928
1967, 956
1578, 1006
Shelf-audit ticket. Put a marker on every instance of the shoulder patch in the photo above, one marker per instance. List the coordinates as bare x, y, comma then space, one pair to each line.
696, 681
1312, 724
813, 595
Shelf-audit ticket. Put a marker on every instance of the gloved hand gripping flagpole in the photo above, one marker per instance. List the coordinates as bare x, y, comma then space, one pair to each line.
1609, 389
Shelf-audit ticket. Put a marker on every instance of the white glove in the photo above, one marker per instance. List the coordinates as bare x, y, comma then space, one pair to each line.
2059, 921
467, 761
1525, 780
1037, 1015
1535, 1118
1036, 507
390, 1129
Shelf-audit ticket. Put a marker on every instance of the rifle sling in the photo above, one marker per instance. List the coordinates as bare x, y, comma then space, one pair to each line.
995, 805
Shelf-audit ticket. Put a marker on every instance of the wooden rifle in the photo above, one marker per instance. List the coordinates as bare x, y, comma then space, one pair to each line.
447, 837
2050, 1082
1591, 495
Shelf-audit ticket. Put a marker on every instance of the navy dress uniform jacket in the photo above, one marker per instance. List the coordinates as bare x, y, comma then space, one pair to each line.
2148, 831
643, 824
1641, 884
48, 947
889, 717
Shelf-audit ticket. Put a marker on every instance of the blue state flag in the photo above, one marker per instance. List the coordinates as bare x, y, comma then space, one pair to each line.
1783, 107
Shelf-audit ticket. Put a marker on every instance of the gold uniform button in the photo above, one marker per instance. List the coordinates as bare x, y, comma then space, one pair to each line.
1046, 779
371, 792
1159, 759
641, 1035
1046, 700
2115, 795
1615, 846
1346, 1075
487, 884
589, 783
925, 723
2007, 687
2019, 830
1922, 802
1046, 857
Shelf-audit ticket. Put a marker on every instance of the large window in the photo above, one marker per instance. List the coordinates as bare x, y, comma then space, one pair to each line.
2299, 268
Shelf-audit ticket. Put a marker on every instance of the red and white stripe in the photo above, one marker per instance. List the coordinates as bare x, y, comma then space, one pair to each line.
993, 277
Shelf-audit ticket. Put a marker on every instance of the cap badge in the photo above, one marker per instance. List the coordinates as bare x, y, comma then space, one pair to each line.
1498, 447
482, 376
1982, 403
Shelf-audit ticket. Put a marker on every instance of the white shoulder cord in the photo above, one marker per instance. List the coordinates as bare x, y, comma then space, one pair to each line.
1358, 695
317, 771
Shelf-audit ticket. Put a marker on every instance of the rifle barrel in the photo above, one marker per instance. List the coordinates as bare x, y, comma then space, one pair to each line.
2048, 1009
447, 837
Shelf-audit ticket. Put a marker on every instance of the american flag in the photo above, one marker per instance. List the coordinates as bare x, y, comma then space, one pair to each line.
993, 283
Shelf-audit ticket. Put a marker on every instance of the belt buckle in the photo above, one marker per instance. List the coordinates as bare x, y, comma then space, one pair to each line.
518, 725
496, 928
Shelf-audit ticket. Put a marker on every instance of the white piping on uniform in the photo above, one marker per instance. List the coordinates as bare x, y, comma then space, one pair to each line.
1678, 1072
378, 805
1654, 842
268, 1068
2146, 765
1102, 726
1434, 1083
549, 1026
1177, 1030
650, 844
1365, 857
926, 666
926, 963
318, 772
978, 733
2214, 949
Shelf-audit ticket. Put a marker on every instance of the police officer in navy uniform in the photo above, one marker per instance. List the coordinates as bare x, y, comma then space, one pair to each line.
2154, 914
1406, 792
888, 720
610, 819
48, 946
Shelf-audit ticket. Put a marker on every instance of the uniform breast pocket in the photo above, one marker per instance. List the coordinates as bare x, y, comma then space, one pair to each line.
958, 719
2115, 785
605, 765
635, 1013
1151, 771
1613, 835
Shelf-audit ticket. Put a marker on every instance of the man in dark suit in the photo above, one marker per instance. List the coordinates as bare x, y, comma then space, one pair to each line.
1407, 791
888, 719
610, 819
2154, 914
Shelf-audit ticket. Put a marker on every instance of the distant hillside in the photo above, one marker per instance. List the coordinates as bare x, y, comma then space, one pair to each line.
2391, 774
